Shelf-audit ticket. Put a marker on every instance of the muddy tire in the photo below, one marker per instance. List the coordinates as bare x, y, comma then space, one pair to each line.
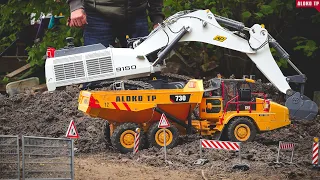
156, 138
123, 137
241, 129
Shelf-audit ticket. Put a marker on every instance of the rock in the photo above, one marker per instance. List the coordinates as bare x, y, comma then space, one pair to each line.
249, 157
91, 129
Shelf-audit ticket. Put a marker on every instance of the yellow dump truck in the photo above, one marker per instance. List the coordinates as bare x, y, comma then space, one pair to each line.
228, 110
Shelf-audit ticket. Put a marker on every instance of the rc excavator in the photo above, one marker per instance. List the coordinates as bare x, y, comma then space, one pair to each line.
133, 79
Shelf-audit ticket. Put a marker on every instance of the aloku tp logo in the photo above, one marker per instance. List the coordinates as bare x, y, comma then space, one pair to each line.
308, 4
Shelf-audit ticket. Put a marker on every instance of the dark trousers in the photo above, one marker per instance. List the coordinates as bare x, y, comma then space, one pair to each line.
104, 31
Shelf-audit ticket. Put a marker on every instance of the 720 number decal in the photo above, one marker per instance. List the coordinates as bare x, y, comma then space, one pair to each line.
180, 98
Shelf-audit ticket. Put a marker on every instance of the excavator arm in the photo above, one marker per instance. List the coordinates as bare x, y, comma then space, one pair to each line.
204, 26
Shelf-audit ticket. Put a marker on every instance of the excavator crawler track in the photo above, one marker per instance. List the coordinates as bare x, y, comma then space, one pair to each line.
140, 83
176, 77
131, 84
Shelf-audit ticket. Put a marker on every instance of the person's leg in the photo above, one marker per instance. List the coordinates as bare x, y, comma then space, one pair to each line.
135, 27
120, 33
139, 26
98, 30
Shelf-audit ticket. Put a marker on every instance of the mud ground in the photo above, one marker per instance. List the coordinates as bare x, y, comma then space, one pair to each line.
48, 114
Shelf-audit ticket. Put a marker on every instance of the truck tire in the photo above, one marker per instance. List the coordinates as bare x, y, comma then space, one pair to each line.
241, 129
155, 136
123, 137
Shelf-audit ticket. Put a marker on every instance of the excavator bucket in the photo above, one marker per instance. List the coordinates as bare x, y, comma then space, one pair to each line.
301, 107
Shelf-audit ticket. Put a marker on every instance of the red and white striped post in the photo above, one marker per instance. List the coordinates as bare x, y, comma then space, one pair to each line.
285, 146
225, 145
136, 141
315, 152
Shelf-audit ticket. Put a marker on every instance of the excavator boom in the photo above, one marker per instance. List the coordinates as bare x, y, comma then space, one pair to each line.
204, 26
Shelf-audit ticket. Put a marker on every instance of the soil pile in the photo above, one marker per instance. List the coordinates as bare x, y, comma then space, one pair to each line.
48, 114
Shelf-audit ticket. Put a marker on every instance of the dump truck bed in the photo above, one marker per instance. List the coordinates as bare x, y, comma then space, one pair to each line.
138, 105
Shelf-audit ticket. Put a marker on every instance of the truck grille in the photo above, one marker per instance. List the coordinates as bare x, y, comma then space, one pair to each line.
69, 71
98, 66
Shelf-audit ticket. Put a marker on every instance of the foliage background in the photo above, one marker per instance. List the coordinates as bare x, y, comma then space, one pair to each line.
295, 29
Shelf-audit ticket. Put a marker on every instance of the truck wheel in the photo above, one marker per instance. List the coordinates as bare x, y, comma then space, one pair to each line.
123, 137
156, 136
241, 129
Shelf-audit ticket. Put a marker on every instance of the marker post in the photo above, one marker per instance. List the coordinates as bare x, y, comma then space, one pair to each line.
164, 146
164, 124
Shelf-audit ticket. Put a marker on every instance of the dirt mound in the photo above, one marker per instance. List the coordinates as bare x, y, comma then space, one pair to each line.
48, 115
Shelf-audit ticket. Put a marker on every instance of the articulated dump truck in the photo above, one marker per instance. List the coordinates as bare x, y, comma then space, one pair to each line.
228, 110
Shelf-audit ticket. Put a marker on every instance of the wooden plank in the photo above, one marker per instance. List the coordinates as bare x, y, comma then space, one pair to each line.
18, 71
